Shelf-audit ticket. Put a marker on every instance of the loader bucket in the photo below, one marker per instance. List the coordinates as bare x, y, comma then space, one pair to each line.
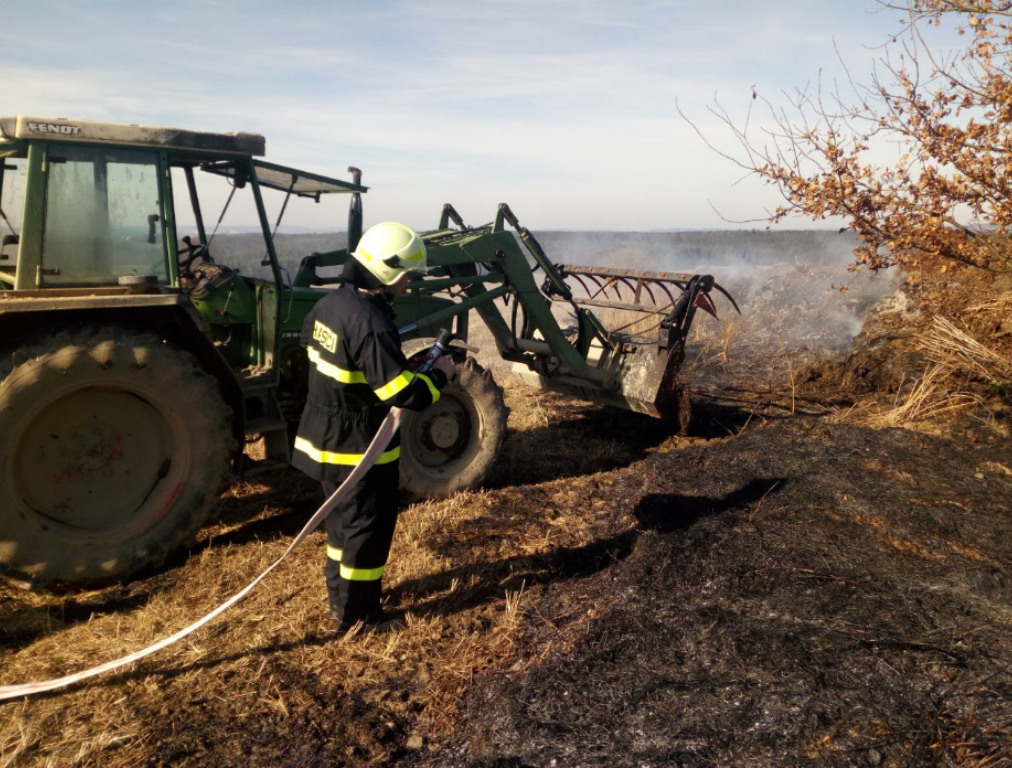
644, 319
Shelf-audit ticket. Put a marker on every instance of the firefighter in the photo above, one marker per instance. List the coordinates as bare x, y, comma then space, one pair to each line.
357, 373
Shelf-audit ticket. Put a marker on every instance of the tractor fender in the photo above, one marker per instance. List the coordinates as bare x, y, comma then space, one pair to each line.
171, 316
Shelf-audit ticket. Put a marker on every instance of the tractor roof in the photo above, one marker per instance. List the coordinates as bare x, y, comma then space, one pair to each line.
62, 129
291, 180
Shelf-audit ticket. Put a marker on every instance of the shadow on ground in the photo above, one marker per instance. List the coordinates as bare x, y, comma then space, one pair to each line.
589, 439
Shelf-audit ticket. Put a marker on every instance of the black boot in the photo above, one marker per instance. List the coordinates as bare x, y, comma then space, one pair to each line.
378, 622
335, 606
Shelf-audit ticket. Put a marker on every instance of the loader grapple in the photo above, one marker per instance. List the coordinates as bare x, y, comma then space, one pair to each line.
646, 316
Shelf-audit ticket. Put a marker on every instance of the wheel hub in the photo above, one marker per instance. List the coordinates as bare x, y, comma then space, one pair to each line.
91, 458
444, 431
441, 433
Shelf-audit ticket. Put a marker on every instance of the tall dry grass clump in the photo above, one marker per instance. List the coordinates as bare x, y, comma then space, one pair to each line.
958, 366
955, 349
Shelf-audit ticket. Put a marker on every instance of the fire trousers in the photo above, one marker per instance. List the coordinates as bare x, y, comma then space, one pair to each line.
359, 532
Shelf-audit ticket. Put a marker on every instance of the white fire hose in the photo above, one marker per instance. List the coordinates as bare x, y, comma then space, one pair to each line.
379, 443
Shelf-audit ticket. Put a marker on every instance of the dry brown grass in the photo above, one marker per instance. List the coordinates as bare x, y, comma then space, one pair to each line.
932, 397
463, 571
954, 348
951, 382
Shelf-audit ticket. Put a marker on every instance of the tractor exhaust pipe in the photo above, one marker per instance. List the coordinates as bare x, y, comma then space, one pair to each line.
354, 212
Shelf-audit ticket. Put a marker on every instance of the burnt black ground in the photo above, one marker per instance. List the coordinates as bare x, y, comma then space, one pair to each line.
805, 594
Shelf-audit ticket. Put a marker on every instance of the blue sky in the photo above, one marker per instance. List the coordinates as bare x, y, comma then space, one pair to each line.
563, 108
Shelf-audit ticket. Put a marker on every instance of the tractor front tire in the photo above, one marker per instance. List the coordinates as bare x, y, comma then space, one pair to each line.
452, 445
113, 448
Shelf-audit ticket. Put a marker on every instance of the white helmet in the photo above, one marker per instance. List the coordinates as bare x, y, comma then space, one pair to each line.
388, 250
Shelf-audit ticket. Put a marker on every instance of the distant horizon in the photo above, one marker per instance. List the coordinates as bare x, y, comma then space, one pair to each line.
302, 230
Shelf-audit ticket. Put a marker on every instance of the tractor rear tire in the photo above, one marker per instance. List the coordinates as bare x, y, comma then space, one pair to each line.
452, 445
113, 448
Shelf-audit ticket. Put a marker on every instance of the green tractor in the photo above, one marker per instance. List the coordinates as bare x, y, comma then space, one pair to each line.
136, 364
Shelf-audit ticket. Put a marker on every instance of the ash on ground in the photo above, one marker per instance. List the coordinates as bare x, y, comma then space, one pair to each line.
806, 593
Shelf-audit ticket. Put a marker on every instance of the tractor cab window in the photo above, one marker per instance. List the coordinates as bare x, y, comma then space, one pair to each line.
103, 218
217, 222
12, 203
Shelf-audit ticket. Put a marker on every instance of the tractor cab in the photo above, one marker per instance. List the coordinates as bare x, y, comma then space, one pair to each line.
107, 210
89, 205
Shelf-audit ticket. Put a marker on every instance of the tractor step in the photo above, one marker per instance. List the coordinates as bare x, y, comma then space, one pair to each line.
265, 420
265, 424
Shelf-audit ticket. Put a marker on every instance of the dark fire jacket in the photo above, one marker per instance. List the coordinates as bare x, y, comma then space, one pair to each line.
357, 373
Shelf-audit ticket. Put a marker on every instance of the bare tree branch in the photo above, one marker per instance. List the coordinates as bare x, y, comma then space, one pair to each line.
948, 195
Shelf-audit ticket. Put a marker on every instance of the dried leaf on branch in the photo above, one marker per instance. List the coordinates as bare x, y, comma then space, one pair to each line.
947, 196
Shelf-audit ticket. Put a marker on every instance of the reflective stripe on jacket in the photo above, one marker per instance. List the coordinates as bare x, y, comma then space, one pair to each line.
357, 372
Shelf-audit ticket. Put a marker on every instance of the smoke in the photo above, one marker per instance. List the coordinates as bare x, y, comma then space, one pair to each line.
788, 284
690, 251
793, 287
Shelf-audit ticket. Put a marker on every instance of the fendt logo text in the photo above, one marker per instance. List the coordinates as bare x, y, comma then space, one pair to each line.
63, 130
